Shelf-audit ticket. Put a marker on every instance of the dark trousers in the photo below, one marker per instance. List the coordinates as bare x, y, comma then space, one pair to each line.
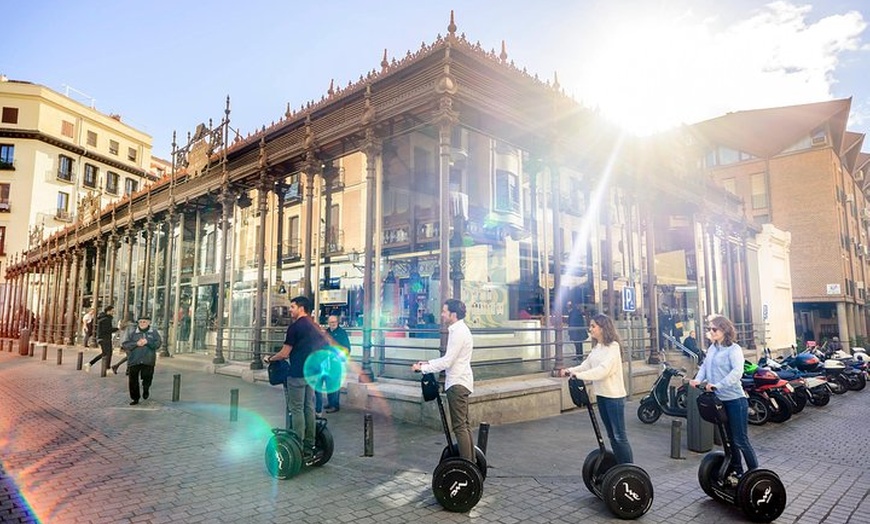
105, 353
612, 411
457, 400
147, 374
738, 411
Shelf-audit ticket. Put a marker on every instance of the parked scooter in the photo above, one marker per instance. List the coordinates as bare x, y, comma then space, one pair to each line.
767, 395
663, 398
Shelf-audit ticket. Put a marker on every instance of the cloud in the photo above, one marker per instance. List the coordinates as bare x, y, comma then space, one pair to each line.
683, 67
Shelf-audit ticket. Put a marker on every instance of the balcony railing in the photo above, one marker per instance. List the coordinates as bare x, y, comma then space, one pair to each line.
335, 181
292, 250
333, 242
62, 215
59, 175
8, 165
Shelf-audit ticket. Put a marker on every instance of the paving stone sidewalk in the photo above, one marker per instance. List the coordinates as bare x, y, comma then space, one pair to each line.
73, 450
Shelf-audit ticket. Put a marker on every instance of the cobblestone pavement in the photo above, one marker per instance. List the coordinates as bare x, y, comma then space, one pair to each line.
73, 450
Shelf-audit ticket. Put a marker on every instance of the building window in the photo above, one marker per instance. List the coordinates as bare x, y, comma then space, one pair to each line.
10, 115
7, 156
507, 191
91, 173
113, 147
63, 206
92, 139
759, 191
112, 182
65, 168
67, 129
130, 186
730, 185
131, 154
2, 240
4, 198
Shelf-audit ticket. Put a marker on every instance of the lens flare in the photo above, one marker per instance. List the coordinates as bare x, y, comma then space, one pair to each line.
326, 369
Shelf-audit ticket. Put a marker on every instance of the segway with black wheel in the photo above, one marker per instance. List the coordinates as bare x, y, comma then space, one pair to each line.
284, 455
457, 483
625, 488
759, 493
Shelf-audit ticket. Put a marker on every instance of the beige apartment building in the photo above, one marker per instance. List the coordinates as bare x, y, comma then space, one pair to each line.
798, 168
60, 159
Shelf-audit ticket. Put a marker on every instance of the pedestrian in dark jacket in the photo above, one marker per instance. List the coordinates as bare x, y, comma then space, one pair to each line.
104, 338
141, 343
331, 381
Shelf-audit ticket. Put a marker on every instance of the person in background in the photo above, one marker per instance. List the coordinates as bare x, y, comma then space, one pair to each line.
141, 344
104, 338
577, 331
328, 382
88, 325
721, 371
691, 343
460, 378
603, 368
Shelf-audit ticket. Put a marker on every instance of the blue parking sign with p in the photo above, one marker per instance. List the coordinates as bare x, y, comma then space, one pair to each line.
629, 302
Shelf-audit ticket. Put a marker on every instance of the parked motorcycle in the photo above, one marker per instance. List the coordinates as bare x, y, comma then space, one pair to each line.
767, 395
808, 388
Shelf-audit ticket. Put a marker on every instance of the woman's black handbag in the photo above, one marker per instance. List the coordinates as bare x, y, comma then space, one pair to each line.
279, 372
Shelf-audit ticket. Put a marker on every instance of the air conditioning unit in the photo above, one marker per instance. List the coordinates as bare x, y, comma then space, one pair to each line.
850, 198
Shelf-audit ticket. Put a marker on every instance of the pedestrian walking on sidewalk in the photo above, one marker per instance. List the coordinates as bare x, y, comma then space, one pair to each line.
104, 337
88, 321
721, 370
141, 344
603, 368
460, 379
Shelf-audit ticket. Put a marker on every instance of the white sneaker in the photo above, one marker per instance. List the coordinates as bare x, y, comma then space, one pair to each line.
87, 367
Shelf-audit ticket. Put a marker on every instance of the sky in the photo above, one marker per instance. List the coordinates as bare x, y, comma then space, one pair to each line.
648, 65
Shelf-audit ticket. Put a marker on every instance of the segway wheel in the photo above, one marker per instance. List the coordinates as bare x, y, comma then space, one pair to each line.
479, 457
648, 411
707, 472
283, 456
593, 476
761, 495
627, 491
324, 444
457, 485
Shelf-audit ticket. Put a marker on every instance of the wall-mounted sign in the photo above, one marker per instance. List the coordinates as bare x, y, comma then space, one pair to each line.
834, 289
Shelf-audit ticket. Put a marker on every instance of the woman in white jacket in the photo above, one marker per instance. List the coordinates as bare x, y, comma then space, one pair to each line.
603, 368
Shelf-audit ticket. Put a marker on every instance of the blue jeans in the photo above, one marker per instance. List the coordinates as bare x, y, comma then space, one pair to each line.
738, 413
332, 397
613, 416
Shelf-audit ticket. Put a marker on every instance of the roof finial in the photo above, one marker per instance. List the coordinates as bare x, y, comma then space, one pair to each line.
503, 55
331, 90
452, 27
384, 63
556, 80
289, 111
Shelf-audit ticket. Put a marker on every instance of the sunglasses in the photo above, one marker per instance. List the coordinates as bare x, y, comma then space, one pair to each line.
712, 329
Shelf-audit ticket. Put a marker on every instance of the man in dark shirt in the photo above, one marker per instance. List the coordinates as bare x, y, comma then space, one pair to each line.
338, 357
104, 330
303, 338
577, 331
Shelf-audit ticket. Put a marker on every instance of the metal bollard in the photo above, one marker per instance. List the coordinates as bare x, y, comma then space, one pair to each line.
59, 356
483, 436
234, 405
79, 359
176, 387
30, 351
368, 436
676, 438
45, 352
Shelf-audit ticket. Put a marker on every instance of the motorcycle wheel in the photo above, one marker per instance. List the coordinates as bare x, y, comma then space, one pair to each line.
820, 398
857, 382
839, 384
682, 395
800, 397
649, 411
782, 412
759, 410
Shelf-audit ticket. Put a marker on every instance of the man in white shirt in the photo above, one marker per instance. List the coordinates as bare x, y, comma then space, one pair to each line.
460, 379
